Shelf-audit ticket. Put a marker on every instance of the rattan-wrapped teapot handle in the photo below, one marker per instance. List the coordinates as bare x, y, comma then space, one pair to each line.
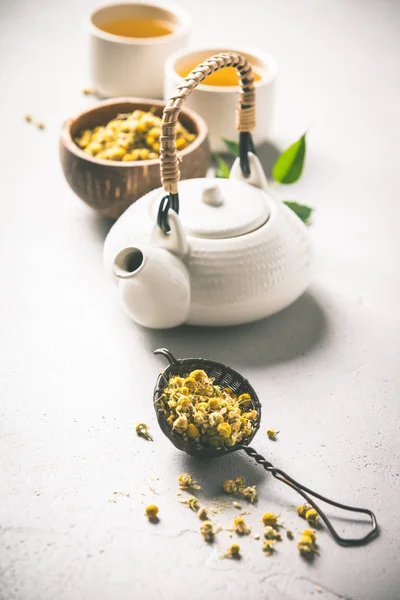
245, 111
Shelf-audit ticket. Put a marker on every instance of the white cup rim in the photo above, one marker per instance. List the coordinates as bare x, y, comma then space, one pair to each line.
181, 14
266, 58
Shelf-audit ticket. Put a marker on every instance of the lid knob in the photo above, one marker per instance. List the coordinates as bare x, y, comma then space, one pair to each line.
212, 196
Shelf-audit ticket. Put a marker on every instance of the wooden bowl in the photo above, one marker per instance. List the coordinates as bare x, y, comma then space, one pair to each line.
109, 186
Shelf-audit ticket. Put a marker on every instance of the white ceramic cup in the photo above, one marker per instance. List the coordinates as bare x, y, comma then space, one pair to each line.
217, 104
127, 66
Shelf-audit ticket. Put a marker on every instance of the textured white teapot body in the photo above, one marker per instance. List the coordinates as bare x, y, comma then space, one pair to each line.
232, 255
227, 252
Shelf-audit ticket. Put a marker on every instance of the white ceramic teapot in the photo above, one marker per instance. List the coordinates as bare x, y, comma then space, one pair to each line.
227, 252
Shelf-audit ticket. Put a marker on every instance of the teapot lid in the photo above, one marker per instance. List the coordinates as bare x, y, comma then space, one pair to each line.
220, 208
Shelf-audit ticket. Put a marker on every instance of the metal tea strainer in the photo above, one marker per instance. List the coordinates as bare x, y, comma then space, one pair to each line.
224, 376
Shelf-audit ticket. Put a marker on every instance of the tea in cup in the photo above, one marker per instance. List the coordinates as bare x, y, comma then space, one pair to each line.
129, 44
216, 97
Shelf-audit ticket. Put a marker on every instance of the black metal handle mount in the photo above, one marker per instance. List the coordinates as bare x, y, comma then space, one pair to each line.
167, 202
246, 145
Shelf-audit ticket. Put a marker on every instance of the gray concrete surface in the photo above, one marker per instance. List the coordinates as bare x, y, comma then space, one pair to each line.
75, 374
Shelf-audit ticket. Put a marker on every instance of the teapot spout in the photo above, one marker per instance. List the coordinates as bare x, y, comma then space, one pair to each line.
154, 287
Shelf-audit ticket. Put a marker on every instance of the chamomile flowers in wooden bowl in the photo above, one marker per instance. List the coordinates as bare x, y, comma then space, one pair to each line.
109, 153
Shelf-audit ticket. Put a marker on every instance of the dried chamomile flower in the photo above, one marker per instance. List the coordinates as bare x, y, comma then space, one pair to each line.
206, 415
127, 137
202, 513
192, 503
229, 486
268, 547
39, 124
232, 552
207, 531
142, 430
270, 533
249, 492
244, 400
240, 526
180, 424
186, 482
270, 518
311, 534
193, 431
28, 118
301, 510
307, 544
312, 517
151, 511
271, 433
289, 534
239, 482
238, 486
198, 375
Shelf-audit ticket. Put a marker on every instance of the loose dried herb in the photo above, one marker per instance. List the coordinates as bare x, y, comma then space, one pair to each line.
151, 511
143, 431
200, 411
232, 552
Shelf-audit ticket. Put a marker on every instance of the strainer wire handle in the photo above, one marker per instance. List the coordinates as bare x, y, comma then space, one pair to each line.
307, 493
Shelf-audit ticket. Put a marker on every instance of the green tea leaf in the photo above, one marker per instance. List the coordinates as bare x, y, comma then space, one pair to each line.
233, 147
223, 169
289, 165
302, 211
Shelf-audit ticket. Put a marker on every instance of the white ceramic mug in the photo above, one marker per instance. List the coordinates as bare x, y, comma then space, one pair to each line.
129, 66
217, 104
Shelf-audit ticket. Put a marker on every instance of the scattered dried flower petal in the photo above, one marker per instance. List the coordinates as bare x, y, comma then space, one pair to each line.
301, 510
192, 503
312, 517
237, 505
207, 531
186, 482
270, 533
289, 534
229, 486
270, 518
249, 492
307, 544
271, 433
88, 91
142, 430
241, 526
268, 547
151, 511
240, 481
202, 513
232, 552
311, 534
